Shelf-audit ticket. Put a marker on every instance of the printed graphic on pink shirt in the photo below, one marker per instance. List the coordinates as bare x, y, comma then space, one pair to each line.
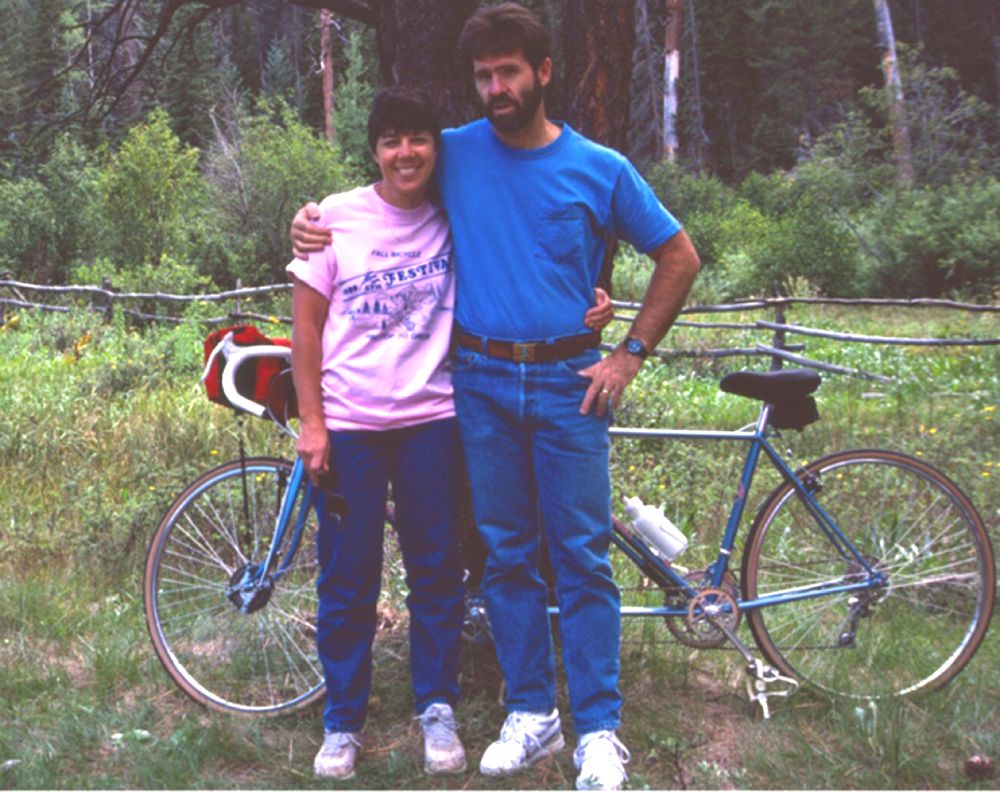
399, 302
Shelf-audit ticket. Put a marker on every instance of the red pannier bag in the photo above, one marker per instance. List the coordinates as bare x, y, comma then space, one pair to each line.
265, 380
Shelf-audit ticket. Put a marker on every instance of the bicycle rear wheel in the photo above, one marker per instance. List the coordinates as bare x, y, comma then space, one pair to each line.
262, 662
909, 521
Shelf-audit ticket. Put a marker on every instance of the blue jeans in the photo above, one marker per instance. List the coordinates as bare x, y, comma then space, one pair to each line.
424, 465
536, 464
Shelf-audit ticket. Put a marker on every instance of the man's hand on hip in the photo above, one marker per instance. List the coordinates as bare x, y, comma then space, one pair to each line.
608, 379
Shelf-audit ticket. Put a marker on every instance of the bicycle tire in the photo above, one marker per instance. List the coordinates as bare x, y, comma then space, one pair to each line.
258, 663
910, 521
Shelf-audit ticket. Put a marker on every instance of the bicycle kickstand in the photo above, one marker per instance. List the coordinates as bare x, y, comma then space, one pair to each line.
764, 675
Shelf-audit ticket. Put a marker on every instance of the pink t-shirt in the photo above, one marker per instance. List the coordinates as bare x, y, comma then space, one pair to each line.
390, 281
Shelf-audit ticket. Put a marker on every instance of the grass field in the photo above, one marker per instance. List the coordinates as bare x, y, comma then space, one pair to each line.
100, 426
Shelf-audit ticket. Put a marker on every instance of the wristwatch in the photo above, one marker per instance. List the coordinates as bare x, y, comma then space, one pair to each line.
635, 346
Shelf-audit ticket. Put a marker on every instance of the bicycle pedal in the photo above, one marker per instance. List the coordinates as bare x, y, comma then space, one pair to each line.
758, 689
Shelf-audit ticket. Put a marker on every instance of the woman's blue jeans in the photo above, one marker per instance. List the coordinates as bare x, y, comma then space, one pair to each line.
536, 464
424, 465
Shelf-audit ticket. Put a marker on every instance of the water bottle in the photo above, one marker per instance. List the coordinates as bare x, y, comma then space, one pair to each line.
652, 525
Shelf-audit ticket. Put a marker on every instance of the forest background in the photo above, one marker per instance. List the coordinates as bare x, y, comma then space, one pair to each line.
165, 144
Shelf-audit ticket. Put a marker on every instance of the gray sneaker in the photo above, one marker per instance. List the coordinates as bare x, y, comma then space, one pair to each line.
526, 738
337, 756
443, 751
601, 760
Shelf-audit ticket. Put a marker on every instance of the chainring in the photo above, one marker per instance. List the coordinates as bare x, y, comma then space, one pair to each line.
695, 629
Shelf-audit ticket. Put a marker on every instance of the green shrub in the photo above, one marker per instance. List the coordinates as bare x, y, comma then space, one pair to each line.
46, 221
261, 170
149, 189
938, 241
27, 228
70, 177
772, 232
167, 276
354, 96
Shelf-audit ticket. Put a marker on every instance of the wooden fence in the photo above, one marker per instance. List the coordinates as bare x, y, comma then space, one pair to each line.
106, 300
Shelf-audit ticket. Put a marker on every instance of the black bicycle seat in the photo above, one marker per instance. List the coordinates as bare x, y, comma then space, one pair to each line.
774, 387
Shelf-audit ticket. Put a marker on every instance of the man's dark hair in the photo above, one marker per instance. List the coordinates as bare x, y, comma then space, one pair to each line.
402, 108
504, 29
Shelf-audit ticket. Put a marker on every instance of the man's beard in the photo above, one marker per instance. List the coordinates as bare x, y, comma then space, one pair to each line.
526, 107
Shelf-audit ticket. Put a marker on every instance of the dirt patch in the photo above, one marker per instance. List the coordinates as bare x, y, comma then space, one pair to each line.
49, 655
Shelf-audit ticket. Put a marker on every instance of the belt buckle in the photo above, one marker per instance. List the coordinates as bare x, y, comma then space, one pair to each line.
522, 353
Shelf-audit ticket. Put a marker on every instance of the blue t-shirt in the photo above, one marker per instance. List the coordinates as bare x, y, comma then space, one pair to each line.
530, 228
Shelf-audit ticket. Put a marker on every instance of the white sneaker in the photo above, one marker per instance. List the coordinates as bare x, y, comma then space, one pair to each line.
443, 751
601, 760
526, 738
337, 756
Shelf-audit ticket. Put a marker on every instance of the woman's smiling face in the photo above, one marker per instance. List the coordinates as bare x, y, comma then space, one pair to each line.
406, 160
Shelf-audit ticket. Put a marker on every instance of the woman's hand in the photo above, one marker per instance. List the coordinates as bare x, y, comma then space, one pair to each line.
309, 310
314, 449
600, 314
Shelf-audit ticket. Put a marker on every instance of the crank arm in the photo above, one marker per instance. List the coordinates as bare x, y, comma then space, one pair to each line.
763, 674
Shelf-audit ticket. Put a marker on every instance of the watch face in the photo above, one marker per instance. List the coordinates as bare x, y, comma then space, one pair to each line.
635, 347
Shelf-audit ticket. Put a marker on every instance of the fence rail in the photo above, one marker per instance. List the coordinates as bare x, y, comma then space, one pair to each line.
105, 298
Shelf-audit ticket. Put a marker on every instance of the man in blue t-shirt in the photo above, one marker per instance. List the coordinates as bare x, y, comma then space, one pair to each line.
533, 206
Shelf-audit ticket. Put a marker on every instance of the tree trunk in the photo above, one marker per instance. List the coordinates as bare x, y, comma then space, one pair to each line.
417, 43
326, 60
128, 56
646, 102
698, 135
995, 36
894, 90
598, 43
671, 74
598, 40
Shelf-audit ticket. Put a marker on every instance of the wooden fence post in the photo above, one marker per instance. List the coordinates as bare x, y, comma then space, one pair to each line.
107, 301
779, 334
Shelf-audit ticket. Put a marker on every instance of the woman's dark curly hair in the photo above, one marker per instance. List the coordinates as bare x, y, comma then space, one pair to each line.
402, 108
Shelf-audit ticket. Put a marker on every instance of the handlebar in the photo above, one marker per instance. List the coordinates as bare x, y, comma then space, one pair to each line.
235, 356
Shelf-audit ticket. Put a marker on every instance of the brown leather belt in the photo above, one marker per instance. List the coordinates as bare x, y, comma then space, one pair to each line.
529, 351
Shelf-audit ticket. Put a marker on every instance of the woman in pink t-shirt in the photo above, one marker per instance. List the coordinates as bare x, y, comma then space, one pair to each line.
372, 325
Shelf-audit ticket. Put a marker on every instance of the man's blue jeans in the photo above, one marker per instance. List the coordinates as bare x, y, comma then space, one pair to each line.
425, 467
536, 464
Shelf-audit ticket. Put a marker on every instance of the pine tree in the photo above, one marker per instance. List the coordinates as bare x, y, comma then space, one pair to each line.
646, 129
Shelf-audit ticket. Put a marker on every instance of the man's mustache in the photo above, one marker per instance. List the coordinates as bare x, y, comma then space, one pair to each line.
506, 100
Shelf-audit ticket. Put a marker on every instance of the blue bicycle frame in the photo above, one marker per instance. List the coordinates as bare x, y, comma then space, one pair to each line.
666, 576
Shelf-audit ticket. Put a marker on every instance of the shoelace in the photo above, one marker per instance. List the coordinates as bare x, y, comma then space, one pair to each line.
515, 729
338, 740
603, 736
439, 724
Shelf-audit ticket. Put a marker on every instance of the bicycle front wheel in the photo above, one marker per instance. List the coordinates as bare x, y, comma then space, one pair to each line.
258, 659
910, 523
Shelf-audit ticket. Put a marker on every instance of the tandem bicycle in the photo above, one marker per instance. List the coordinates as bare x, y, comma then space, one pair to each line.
866, 573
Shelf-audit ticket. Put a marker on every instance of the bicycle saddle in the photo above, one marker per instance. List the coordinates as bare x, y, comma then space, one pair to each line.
775, 387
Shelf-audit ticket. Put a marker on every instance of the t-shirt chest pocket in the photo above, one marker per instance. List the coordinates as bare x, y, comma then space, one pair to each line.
560, 235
